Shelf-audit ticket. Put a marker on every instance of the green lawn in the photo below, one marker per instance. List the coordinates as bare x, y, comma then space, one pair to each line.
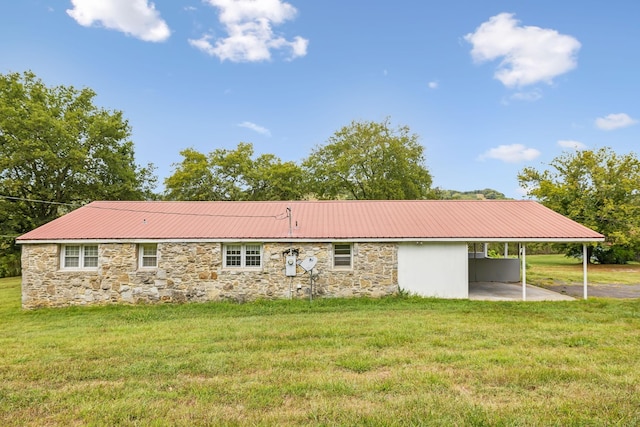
395, 361
559, 269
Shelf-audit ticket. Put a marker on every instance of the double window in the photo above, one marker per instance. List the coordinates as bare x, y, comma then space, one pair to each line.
79, 257
342, 255
148, 255
242, 255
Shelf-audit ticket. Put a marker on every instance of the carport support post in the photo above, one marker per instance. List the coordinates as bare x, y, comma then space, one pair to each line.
524, 272
584, 269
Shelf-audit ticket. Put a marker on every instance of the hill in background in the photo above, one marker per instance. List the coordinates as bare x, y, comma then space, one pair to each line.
487, 193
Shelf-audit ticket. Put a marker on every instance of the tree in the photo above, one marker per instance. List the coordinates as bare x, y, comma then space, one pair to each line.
369, 160
192, 179
272, 179
233, 175
57, 148
599, 189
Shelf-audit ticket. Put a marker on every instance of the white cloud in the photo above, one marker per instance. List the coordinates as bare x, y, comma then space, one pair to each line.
256, 128
433, 85
529, 54
137, 18
575, 145
615, 121
530, 96
248, 24
513, 153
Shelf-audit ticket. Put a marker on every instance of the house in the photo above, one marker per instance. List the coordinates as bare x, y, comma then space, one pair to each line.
132, 252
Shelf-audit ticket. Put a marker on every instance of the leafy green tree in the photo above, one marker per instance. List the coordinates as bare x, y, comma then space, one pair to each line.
599, 189
192, 178
58, 148
369, 160
233, 175
272, 179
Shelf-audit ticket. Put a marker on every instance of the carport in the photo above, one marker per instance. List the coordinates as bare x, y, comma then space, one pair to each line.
437, 262
498, 275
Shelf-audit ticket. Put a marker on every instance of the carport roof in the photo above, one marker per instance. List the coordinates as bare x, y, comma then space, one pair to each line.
419, 220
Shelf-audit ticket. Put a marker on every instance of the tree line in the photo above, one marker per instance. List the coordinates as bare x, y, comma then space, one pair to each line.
58, 151
363, 160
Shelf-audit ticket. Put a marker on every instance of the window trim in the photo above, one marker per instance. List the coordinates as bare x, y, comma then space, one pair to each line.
243, 256
141, 256
82, 257
335, 256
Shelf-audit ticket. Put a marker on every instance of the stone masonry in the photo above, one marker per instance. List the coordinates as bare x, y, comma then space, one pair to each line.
193, 272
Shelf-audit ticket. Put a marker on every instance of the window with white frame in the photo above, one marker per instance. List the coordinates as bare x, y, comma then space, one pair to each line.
238, 255
148, 255
342, 255
80, 257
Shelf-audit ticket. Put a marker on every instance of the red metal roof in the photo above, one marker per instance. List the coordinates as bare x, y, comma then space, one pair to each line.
471, 220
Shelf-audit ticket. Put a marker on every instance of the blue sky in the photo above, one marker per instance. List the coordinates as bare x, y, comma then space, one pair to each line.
489, 86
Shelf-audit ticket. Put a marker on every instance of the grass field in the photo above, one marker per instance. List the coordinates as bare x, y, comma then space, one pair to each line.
395, 361
559, 269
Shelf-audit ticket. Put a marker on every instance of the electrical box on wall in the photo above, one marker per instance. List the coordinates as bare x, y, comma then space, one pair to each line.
290, 265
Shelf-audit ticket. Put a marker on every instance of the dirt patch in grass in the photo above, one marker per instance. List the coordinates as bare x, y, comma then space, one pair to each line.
600, 290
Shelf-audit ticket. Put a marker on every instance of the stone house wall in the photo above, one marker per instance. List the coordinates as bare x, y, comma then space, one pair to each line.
194, 272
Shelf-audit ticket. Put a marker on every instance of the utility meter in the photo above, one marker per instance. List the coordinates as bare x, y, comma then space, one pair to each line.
290, 266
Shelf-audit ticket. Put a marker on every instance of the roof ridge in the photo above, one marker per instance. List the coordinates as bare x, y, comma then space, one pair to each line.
316, 201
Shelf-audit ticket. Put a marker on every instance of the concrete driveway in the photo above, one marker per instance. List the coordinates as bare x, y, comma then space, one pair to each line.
600, 290
500, 291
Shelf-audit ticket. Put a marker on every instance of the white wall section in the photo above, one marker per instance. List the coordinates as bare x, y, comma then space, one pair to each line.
434, 269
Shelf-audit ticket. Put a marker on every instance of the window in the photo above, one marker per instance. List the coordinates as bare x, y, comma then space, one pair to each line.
342, 255
90, 256
233, 255
80, 257
241, 256
252, 255
148, 255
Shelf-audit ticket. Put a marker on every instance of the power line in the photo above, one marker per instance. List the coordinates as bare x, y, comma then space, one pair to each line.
23, 199
278, 217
